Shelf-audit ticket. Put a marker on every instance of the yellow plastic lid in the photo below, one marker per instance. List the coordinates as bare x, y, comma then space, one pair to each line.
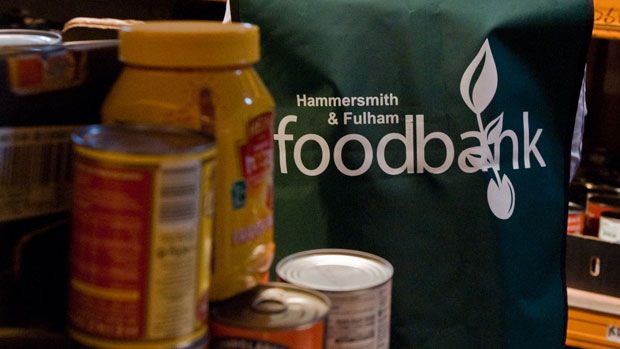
189, 44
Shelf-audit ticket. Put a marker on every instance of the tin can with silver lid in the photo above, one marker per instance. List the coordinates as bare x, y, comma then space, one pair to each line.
609, 227
271, 316
359, 285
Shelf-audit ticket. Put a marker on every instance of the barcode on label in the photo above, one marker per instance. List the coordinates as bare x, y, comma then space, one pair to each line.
35, 171
179, 194
31, 165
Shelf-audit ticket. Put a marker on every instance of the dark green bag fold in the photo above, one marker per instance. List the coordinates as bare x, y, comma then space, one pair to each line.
457, 169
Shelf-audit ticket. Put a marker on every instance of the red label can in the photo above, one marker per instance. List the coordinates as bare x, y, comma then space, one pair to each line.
576, 219
141, 233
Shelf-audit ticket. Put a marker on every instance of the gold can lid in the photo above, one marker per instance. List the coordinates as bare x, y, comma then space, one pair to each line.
189, 44
271, 307
142, 139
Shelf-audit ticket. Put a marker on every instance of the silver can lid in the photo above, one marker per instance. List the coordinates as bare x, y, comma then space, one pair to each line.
272, 306
18, 39
334, 270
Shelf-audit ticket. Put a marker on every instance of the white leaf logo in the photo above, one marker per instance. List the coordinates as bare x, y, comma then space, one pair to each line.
478, 95
476, 157
478, 87
501, 197
493, 130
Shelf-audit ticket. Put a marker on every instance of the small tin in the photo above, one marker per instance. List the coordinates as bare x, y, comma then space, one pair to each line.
576, 219
271, 316
595, 206
141, 237
609, 227
359, 286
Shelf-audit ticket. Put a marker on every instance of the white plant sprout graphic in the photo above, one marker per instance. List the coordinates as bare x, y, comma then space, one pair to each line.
477, 95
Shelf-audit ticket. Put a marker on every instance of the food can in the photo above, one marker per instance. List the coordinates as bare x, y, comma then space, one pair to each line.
359, 286
576, 219
141, 237
200, 75
270, 316
609, 227
595, 206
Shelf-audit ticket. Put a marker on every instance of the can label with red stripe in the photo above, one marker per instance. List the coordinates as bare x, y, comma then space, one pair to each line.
576, 219
140, 242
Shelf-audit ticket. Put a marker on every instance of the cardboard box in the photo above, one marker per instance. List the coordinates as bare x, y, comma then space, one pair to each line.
593, 265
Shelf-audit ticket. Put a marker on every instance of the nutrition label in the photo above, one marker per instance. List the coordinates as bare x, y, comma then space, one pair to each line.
34, 171
173, 268
360, 319
135, 250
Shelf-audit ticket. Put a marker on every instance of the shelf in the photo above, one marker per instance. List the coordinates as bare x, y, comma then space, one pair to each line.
593, 320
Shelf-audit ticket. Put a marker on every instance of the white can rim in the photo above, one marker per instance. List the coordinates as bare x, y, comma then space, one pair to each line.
335, 270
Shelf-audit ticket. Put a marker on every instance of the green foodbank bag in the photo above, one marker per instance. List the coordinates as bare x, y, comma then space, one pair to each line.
435, 134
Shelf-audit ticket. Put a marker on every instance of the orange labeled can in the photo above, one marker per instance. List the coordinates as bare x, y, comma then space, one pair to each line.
141, 237
576, 219
272, 316
359, 286
200, 75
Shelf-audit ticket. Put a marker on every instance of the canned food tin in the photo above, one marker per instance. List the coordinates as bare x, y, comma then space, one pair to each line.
609, 227
271, 316
359, 286
594, 207
576, 219
141, 236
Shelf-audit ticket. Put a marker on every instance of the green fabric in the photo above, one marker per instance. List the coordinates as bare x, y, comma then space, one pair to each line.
470, 272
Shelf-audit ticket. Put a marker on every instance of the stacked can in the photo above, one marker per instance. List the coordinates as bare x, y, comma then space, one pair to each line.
359, 286
270, 316
141, 236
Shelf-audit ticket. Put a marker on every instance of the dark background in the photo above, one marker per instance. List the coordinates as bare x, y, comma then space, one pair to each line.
52, 14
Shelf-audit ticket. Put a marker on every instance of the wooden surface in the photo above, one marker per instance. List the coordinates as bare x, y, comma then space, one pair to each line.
593, 320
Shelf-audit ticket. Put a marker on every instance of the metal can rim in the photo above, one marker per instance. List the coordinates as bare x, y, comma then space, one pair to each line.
216, 317
52, 38
611, 215
604, 200
388, 269
87, 137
